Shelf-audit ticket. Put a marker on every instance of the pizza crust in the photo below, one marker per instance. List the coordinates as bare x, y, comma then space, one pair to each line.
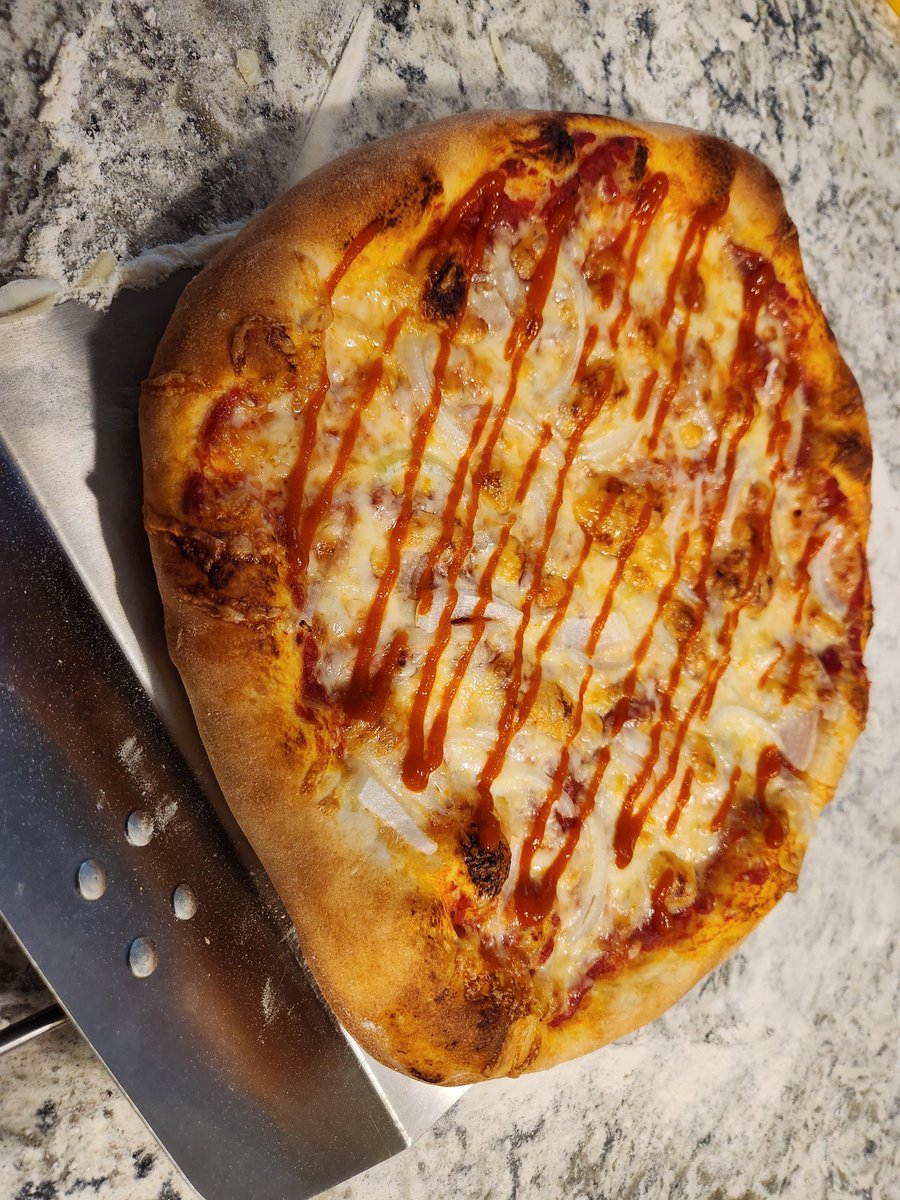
369, 918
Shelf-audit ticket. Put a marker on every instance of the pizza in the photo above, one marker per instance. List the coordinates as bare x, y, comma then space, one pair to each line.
508, 497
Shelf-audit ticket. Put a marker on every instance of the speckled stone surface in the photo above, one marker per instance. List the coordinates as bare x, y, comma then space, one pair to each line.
780, 1074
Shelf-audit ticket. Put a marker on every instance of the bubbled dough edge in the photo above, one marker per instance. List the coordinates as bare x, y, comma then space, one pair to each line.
371, 924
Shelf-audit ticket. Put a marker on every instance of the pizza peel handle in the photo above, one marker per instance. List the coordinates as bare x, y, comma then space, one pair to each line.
208, 1022
23, 1031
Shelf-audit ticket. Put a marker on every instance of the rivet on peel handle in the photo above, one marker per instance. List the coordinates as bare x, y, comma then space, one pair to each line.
184, 902
139, 827
142, 957
92, 879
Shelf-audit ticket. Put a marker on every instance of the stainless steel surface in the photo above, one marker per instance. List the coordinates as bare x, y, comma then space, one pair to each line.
23, 1031
226, 1048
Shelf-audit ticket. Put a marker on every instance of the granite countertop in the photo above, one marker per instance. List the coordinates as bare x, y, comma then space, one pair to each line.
130, 127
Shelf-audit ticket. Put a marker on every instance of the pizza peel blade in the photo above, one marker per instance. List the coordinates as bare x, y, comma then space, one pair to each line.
226, 1049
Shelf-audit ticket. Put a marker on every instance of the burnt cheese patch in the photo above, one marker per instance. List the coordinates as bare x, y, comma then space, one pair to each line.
445, 291
488, 868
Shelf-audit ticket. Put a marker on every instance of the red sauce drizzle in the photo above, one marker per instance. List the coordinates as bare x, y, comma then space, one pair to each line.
727, 800
631, 820
296, 483
354, 248
647, 204
780, 430
534, 899
424, 757
684, 794
771, 763
660, 917
528, 698
764, 678
697, 232
640, 409
761, 546
814, 544
360, 698
558, 214
630, 823
506, 726
312, 516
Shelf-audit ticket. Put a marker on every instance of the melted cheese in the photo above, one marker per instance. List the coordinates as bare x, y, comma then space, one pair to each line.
687, 446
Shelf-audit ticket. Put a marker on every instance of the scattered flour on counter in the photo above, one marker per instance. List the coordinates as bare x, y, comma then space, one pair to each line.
129, 129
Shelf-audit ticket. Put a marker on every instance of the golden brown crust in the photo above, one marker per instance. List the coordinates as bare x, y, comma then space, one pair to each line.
370, 919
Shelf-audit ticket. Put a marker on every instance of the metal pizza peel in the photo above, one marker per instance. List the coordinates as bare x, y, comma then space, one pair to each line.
122, 872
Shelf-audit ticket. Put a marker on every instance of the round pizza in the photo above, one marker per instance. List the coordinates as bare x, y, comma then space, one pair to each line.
508, 496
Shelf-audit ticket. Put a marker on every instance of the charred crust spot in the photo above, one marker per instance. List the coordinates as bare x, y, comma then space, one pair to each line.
552, 142
226, 574
719, 163
495, 1000
854, 454
431, 189
207, 555
487, 869
415, 198
445, 291
557, 143
639, 166
425, 1076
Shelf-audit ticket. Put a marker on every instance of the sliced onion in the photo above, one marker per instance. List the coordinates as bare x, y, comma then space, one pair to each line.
744, 724
557, 352
416, 355
509, 285
768, 387
28, 297
379, 801
566, 808
486, 303
674, 523
821, 575
632, 746
613, 645
449, 434
520, 779
603, 449
595, 887
795, 409
798, 731
466, 603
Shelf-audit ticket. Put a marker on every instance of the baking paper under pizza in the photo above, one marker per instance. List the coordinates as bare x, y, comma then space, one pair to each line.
508, 497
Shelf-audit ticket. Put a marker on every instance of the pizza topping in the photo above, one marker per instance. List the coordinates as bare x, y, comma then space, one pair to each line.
488, 868
545, 507
379, 801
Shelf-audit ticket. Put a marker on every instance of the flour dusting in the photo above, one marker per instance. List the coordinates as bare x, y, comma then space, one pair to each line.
130, 754
124, 132
164, 813
268, 1001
